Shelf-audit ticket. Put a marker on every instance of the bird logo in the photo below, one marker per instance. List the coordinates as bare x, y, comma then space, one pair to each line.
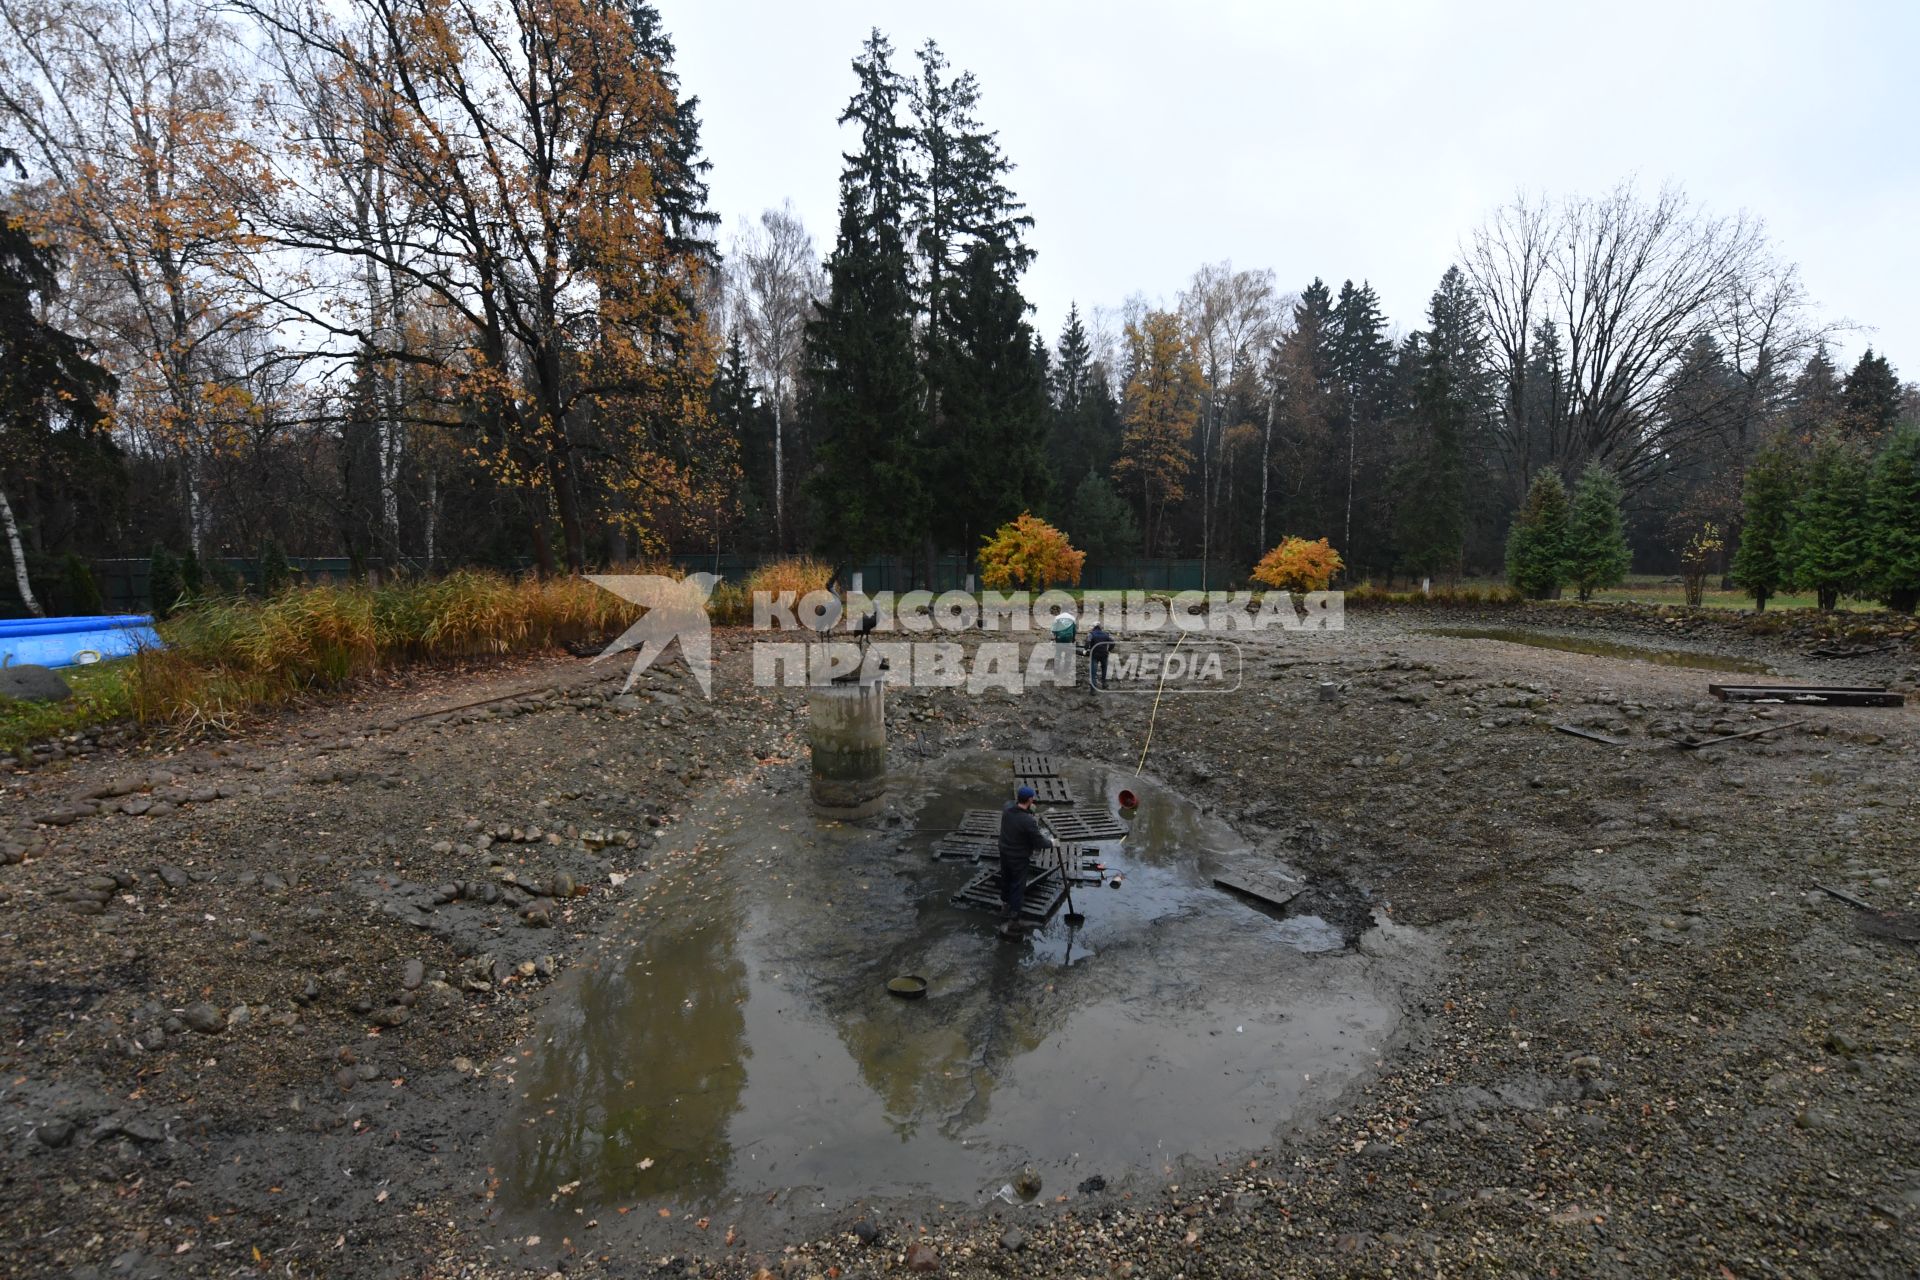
676, 609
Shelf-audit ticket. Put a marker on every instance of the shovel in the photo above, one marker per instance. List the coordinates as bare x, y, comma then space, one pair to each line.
1074, 918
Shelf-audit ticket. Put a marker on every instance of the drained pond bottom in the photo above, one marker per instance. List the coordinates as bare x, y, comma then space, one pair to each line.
734, 1040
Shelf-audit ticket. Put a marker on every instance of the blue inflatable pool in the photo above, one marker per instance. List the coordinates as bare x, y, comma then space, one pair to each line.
65, 642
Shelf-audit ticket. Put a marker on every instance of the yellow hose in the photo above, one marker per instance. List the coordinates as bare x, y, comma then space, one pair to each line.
1155, 714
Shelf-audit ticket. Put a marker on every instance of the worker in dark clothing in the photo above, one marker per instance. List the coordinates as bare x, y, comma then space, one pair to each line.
1099, 645
1020, 838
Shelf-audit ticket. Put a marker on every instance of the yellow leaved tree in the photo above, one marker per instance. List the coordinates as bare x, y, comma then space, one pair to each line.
1298, 565
1029, 552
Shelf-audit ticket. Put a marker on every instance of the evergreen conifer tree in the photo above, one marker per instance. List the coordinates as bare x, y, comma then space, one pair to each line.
1086, 422
1763, 565
1814, 403
83, 593
1828, 529
275, 573
986, 402
1102, 524
988, 460
742, 416
1537, 543
1449, 388
1893, 518
679, 170
1597, 554
863, 389
165, 585
1870, 402
1362, 369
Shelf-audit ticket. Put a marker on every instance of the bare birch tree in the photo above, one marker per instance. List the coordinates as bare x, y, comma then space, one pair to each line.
127, 111
776, 279
1228, 313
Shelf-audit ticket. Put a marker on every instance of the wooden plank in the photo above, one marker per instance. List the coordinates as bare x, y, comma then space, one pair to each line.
1835, 695
1269, 887
1845, 897
1591, 736
1734, 737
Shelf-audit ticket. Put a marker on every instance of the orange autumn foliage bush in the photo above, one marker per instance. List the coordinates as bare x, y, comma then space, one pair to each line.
1299, 565
1031, 553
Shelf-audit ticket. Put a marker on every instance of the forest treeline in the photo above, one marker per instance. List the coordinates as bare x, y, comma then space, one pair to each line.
424, 284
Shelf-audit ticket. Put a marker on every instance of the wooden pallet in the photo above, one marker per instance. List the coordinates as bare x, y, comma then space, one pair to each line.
1027, 764
1082, 826
1267, 887
1045, 892
1079, 862
964, 849
1050, 790
982, 824
1828, 695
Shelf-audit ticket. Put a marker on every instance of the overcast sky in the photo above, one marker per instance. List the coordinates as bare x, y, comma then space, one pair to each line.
1359, 140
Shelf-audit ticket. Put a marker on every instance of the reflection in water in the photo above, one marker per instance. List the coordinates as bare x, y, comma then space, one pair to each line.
633, 1089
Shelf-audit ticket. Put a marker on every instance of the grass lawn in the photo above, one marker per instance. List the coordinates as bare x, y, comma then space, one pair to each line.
99, 695
1653, 589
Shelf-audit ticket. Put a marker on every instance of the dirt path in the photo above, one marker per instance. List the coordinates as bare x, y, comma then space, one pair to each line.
264, 996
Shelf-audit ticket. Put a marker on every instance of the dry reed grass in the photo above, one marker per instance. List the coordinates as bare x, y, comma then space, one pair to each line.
230, 656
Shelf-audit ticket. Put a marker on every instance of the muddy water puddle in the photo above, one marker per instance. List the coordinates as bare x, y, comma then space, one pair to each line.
732, 1043
1603, 648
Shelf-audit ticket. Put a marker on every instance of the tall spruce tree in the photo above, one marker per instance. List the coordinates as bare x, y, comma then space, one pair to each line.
1597, 554
1362, 369
1828, 537
958, 196
1537, 543
1085, 434
1814, 401
1308, 402
1893, 519
1870, 401
1449, 389
738, 411
679, 169
986, 401
988, 460
1763, 564
864, 394
1430, 522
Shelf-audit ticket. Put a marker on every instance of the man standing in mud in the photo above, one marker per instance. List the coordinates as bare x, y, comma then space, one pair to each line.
1099, 647
1020, 838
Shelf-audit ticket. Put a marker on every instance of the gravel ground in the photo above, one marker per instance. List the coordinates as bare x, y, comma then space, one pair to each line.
259, 1000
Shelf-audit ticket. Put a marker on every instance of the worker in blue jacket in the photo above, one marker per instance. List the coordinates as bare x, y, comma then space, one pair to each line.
1020, 838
